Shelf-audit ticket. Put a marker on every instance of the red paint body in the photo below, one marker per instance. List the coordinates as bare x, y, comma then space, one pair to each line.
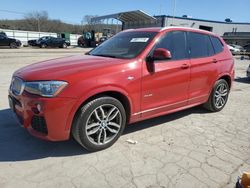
172, 86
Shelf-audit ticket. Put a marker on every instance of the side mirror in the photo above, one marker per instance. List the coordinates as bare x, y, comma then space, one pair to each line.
161, 54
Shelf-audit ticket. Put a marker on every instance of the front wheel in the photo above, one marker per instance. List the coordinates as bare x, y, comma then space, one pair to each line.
64, 45
218, 97
99, 123
43, 46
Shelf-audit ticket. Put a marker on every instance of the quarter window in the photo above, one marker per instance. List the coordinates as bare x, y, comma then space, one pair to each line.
218, 46
175, 42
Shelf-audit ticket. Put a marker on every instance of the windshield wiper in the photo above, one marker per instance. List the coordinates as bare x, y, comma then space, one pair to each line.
104, 55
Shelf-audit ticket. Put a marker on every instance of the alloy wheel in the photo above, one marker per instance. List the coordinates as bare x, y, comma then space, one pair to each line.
103, 124
220, 95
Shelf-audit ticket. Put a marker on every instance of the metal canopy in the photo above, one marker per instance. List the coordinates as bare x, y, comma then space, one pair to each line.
125, 17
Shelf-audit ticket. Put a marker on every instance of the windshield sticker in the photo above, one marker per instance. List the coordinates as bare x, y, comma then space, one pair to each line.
139, 40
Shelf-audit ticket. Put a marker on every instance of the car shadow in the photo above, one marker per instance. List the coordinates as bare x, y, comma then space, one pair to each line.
244, 80
16, 144
163, 119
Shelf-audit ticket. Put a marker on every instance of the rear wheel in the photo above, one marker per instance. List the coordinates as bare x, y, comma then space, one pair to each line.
13, 45
99, 123
218, 97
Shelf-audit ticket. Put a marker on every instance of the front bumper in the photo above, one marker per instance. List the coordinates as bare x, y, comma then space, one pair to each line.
52, 114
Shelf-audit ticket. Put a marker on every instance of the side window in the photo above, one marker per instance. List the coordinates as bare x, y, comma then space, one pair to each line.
218, 46
175, 42
200, 45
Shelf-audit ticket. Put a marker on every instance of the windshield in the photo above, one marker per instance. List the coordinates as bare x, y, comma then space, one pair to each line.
124, 45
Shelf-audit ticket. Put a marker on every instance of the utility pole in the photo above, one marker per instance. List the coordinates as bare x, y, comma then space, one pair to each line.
38, 24
174, 8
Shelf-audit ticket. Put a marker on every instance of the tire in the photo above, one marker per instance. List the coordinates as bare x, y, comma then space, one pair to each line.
13, 45
218, 97
99, 123
64, 45
43, 46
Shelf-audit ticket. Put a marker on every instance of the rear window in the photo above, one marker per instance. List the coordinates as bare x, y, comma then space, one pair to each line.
200, 45
218, 46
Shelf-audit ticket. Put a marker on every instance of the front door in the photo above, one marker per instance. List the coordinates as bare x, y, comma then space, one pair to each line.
4, 41
166, 88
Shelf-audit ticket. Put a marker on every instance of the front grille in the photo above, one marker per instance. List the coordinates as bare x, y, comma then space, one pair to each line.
38, 123
17, 86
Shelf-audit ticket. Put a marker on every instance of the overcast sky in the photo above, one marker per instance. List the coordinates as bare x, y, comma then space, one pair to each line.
73, 11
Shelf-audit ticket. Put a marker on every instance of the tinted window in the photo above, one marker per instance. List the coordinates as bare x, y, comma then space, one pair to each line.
175, 42
200, 45
218, 46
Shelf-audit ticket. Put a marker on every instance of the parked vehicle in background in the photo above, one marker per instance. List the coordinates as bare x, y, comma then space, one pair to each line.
37, 41
238, 47
87, 40
3, 33
233, 50
248, 71
135, 75
12, 43
247, 49
53, 42
102, 39
81, 42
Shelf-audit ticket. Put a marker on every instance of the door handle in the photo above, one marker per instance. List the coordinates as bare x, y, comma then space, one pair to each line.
215, 61
184, 66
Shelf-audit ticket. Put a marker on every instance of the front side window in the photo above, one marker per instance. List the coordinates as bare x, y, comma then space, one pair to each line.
175, 42
200, 45
124, 45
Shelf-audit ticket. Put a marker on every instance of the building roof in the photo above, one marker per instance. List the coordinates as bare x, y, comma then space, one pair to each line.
131, 16
202, 20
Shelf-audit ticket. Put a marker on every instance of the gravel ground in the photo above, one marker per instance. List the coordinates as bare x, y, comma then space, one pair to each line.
191, 148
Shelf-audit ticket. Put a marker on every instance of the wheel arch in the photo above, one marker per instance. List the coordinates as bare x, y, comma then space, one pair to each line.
122, 97
227, 78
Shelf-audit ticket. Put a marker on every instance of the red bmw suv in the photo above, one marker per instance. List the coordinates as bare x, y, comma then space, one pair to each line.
135, 75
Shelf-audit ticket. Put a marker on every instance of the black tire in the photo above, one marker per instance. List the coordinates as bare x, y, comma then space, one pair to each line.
43, 46
86, 114
213, 103
13, 45
64, 45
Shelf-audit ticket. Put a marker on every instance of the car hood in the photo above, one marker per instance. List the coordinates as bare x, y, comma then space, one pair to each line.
63, 67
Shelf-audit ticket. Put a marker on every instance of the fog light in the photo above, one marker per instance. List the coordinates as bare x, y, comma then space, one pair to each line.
37, 109
38, 106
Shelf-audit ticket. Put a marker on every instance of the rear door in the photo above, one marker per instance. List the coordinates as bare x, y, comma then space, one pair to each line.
166, 88
58, 42
204, 66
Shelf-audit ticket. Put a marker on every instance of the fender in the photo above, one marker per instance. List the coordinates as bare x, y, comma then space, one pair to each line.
218, 77
93, 92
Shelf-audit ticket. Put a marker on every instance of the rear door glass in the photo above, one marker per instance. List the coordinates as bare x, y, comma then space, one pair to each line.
200, 45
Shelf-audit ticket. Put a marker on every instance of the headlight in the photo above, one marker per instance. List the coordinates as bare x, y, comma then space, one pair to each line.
45, 88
